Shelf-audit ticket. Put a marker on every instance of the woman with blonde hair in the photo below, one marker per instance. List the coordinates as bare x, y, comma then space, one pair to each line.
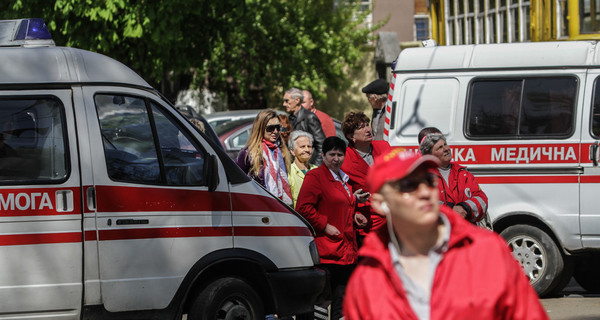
265, 158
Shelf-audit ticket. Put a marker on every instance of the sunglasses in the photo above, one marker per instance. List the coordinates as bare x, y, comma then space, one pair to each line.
274, 127
410, 185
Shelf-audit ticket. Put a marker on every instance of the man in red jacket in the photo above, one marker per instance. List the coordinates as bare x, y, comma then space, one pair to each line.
430, 263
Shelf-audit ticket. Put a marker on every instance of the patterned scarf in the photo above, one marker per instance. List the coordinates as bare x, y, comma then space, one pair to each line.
276, 179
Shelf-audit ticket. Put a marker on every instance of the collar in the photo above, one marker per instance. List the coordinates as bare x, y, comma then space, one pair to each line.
344, 176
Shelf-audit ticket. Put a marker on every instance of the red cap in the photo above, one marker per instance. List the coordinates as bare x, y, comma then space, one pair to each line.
395, 165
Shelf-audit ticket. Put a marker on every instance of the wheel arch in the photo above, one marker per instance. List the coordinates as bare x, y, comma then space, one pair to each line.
526, 218
245, 264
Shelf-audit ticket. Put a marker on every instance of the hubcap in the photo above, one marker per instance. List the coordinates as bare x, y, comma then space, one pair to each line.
530, 255
233, 310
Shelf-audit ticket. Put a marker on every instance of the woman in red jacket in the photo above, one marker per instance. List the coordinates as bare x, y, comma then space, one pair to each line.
359, 156
327, 201
429, 263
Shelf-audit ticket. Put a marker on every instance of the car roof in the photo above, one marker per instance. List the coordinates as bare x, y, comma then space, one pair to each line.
62, 65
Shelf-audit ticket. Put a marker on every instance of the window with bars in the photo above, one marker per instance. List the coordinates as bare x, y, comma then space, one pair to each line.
421, 27
486, 21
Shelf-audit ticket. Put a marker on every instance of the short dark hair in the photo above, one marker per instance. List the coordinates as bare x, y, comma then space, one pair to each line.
334, 143
351, 121
426, 131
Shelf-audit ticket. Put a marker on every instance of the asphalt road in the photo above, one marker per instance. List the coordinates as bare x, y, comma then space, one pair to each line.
573, 303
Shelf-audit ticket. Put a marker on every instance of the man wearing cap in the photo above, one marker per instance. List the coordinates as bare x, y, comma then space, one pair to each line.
429, 263
377, 93
304, 120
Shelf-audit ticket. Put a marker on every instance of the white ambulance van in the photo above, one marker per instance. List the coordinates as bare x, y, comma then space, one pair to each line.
525, 119
113, 206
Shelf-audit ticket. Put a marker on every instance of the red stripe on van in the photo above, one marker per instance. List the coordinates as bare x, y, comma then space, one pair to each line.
386, 131
590, 179
35, 202
527, 179
90, 235
39, 238
133, 199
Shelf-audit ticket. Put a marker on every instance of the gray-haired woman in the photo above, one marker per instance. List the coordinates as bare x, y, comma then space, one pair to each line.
300, 145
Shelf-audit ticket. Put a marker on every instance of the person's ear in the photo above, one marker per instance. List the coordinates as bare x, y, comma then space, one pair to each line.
379, 205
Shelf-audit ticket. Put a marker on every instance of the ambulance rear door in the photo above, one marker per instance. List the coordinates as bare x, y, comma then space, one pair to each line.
158, 209
40, 206
590, 179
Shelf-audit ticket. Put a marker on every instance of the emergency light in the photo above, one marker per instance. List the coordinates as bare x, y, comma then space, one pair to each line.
24, 33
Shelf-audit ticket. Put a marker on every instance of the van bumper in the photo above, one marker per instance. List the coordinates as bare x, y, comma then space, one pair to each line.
296, 291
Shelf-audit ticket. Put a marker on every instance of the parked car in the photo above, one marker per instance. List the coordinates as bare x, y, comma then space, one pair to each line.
234, 133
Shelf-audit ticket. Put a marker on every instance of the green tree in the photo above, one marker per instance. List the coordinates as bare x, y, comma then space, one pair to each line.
248, 50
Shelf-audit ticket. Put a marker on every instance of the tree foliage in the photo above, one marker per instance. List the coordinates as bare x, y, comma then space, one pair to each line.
247, 49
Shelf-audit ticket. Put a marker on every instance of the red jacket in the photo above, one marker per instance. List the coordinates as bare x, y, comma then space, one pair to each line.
477, 278
356, 167
326, 123
463, 190
324, 200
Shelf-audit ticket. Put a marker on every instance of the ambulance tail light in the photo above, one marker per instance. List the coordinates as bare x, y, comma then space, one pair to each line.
24, 33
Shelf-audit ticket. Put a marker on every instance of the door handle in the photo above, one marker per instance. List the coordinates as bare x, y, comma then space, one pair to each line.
132, 221
91, 198
594, 153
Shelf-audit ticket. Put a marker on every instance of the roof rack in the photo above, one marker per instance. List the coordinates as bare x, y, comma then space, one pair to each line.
25, 33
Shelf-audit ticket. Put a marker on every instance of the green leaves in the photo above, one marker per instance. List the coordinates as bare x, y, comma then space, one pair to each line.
236, 46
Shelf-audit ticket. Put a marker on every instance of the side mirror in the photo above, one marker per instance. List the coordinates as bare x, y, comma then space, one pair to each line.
212, 172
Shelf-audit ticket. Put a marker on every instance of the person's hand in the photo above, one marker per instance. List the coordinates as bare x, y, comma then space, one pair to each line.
361, 196
332, 231
360, 220
460, 210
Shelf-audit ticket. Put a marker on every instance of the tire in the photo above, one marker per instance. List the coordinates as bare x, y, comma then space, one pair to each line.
227, 299
539, 256
587, 273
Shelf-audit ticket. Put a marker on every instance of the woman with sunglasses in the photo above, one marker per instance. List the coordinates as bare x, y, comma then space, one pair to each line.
429, 263
328, 203
265, 158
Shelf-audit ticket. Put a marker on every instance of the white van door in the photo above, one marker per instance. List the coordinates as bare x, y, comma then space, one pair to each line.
155, 213
40, 207
590, 178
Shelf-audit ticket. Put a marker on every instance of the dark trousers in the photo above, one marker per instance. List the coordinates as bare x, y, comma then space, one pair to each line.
337, 276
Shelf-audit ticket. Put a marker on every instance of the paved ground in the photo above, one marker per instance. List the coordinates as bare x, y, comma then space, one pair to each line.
573, 304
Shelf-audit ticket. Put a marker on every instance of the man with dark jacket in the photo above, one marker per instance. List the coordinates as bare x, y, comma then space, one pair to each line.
304, 120
377, 94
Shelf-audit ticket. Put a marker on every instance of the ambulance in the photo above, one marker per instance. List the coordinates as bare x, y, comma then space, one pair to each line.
114, 206
525, 119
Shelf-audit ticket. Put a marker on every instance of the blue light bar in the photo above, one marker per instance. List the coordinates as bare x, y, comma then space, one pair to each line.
33, 29
24, 33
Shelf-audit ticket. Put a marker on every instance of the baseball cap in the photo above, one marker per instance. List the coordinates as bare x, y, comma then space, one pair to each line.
395, 165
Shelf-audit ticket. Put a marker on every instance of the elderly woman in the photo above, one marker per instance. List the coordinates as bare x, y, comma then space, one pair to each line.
429, 263
327, 201
300, 144
265, 158
359, 156
458, 188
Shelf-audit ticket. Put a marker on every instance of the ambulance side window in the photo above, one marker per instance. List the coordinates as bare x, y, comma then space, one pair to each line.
32, 141
526, 107
596, 110
143, 145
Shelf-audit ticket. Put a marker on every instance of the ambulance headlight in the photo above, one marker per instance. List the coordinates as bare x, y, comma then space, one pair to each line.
314, 252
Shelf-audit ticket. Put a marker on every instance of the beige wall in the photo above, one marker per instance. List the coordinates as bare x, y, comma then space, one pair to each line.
401, 17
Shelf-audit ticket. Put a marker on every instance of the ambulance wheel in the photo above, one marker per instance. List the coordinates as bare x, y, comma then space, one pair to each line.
227, 299
587, 275
539, 256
